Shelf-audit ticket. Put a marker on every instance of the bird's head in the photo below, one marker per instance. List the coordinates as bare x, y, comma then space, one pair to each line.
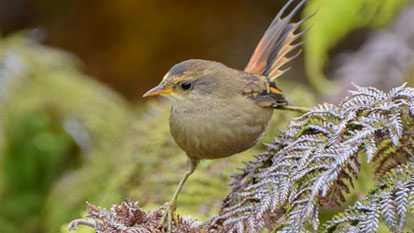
192, 79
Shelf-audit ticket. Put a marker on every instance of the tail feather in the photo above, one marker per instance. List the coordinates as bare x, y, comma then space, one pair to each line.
278, 41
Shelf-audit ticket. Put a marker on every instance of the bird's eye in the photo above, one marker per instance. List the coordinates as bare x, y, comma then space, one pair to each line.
186, 85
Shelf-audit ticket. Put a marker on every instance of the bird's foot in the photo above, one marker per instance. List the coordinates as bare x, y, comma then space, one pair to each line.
168, 216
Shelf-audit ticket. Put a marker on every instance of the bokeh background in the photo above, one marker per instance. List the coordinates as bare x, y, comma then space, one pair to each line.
73, 125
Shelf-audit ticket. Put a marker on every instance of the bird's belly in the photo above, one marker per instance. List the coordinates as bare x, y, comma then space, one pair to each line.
216, 135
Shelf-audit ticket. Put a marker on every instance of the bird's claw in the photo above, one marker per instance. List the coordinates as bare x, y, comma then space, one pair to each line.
169, 216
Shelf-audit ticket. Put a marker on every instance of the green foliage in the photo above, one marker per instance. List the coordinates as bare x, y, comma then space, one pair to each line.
39, 152
333, 21
53, 119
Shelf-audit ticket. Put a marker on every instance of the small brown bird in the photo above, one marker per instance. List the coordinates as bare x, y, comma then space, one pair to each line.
218, 111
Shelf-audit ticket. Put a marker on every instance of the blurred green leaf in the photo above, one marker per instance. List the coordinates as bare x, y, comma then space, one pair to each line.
55, 122
333, 21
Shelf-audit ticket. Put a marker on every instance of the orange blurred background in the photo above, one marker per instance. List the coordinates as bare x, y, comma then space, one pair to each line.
130, 45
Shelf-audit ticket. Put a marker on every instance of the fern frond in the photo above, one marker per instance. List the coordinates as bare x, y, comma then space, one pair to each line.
315, 162
389, 202
318, 159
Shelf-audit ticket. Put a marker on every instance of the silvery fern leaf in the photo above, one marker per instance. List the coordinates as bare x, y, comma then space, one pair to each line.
313, 164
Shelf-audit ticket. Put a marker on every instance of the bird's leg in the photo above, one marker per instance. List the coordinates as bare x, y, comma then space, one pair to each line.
294, 108
172, 204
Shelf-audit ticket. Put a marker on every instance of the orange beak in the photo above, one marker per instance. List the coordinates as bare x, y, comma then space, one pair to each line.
159, 90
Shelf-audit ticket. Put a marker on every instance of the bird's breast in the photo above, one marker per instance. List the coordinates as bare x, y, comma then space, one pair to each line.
216, 130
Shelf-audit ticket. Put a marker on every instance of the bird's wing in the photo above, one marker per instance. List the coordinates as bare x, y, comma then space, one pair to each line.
262, 91
271, 52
